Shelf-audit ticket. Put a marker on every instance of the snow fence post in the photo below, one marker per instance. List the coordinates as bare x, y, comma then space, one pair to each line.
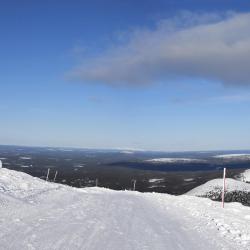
96, 182
224, 187
1, 164
134, 182
47, 177
55, 177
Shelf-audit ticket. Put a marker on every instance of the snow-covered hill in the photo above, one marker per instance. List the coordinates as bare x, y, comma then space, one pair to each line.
216, 185
175, 160
235, 191
233, 156
35, 214
245, 176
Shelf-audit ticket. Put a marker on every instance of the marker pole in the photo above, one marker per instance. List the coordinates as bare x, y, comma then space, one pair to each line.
224, 187
134, 182
55, 176
47, 178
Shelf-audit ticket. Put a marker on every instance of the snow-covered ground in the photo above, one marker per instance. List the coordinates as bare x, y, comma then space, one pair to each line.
174, 160
25, 158
35, 214
217, 184
234, 156
235, 191
127, 152
245, 176
189, 179
156, 180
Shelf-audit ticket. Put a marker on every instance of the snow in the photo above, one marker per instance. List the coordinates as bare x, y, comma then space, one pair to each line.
130, 149
216, 185
127, 152
156, 186
25, 158
233, 156
245, 176
174, 160
189, 179
155, 180
80, 166
35, 214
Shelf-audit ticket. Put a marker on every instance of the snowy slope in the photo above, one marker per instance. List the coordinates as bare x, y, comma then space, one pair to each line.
245, 176
216, 185
39, 215
235, 191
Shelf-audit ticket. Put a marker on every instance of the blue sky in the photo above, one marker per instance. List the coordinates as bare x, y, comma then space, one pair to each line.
160, 75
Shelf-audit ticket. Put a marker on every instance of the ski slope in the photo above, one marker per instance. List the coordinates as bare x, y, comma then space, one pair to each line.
35, 214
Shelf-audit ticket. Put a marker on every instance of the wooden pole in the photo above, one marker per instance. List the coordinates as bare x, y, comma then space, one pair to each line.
47, 178
224, 187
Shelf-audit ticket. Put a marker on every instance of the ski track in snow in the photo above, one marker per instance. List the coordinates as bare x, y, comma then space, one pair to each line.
53, 216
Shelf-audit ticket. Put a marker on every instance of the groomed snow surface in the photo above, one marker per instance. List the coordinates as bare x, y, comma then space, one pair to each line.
35, 214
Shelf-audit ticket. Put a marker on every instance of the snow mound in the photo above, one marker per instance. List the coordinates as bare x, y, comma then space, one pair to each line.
35, 214
174, 160
20, 185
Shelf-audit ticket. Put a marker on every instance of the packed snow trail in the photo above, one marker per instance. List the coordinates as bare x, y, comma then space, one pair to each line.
39, 215
99, 220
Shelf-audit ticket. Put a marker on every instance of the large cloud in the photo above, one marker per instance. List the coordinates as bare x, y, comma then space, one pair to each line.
215, 47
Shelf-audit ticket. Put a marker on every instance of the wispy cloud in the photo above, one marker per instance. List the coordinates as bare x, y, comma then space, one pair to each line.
210, 46
232, 98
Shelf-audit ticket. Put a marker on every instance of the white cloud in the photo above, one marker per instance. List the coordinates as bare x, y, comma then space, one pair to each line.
210, 46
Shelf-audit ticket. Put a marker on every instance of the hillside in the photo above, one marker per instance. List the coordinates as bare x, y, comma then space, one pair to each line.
235, 191
35, 214
245, 176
